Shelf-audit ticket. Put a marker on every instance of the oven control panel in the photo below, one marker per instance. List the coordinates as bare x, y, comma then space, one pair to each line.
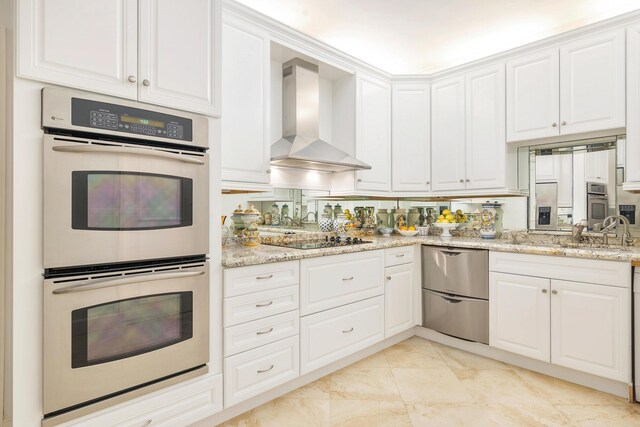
120, 118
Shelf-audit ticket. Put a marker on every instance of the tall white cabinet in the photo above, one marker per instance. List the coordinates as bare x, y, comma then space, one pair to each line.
157, 51
246, 148
576, 87
632, 146
411, 136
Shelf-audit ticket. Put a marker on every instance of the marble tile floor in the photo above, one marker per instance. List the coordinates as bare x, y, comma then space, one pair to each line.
422, 383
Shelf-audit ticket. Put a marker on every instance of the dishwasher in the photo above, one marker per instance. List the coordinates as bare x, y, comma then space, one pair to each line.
455, 292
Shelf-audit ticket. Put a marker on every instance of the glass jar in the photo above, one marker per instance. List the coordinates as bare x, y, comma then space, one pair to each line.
275, 215
328, 210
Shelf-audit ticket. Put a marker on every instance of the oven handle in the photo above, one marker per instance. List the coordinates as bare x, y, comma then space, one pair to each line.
90, 285
84, 148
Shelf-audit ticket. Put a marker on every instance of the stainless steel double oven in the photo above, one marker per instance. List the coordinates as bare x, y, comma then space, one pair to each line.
126, 233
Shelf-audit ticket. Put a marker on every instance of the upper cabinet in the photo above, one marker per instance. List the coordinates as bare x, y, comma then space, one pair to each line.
411, 137
246, 147
632, 145
373, 132
157, 51
576, 88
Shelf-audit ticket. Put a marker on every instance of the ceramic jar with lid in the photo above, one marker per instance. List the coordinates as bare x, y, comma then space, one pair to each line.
284, 212
382, 218
491, 220
328, 209
275, 215
337, 210
325, 223
340, 225
238, 221
399, 218
413, 217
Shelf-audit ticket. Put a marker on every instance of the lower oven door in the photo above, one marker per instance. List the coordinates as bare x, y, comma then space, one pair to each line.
461, 317
107, 334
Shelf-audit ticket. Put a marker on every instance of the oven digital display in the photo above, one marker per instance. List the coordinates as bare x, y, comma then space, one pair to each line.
140, 121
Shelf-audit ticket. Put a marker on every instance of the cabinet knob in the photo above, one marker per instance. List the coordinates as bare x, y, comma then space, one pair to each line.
544, 291
428, 182
388, 277
146, 82
554, 292
554, 124
359, 180
468, 180
133, 79
461, 180
268, 170
563, 123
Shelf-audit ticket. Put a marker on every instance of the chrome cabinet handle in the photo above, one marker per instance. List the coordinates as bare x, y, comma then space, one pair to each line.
146, 82
264, 305
347, 331
388, 277
554, 292
554, 124
264, 277
544, 291
265, 332
84, 148
461, 180
90, 285
132, 79
262, 371
399, 255
345, 279
563, 123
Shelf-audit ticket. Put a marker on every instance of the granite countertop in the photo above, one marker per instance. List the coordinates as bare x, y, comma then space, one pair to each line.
234, 255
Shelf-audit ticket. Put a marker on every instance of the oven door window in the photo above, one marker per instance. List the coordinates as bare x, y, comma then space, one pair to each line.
104, 200
125, 328
598, 211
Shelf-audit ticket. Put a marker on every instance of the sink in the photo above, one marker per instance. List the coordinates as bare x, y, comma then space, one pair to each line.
572, 245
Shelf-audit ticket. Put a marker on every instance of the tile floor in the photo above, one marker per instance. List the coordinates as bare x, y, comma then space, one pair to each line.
422, 383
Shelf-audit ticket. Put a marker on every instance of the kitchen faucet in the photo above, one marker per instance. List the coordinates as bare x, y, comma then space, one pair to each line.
627, 240
577, 229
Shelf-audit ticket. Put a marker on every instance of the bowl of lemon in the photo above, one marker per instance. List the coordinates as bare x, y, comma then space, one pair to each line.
448, 220
407, 231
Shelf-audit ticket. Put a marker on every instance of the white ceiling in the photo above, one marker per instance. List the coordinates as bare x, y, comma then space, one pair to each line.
425, 36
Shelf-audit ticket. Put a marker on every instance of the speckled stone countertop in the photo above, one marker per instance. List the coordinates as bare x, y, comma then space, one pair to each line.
234, 255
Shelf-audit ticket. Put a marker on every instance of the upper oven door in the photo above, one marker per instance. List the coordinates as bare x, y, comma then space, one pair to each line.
108, 332
111, 202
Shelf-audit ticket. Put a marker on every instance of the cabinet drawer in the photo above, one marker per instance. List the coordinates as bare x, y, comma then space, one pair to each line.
250, 335
256, 371
245, 308
601, 272
333, 281
179, 405
333, 334
256, 278
466, 318
397, 256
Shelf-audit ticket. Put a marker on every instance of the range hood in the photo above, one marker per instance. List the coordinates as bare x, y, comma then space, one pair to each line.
301, 146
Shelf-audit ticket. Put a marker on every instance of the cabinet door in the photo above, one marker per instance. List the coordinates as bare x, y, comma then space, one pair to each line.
81, 44
486, 148
591, 328
246, 149
519, 314
533, 97
411, 136
399, 294
448, 134
180, 54
592, 83
547, 169
632, 147
596, 166
373, 132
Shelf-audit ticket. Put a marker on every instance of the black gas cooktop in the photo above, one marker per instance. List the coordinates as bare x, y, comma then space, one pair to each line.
319, 244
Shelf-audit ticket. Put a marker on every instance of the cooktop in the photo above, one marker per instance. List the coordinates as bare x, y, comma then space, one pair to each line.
319, 244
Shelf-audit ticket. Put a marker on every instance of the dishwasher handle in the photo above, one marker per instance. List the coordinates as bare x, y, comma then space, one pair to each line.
452, 299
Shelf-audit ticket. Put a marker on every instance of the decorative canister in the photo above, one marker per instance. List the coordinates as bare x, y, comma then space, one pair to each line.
328, 210
382, 218
267, 218
431, 216
499, 215
250, 234
275, 215
476, 220
326, 223
238, 221
337, 210
399, 218
261, 219
413, 217
284, 212
490, 220
224, 231
340, 225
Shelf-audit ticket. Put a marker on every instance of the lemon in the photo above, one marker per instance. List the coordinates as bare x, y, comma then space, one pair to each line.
452, 221
459, 212
446, 212
448, 217
441, 217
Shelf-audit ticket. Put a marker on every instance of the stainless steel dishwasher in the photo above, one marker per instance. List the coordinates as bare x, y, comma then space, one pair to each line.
455, 292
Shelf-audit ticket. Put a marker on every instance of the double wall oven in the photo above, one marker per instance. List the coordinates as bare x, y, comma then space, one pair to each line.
126, 214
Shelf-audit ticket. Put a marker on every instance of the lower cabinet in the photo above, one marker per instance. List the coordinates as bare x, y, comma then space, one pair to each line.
333, 334
399, 299
578, 325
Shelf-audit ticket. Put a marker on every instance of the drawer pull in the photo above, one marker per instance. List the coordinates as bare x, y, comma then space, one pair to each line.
148, 423
346, 279
264, 277
399, 255
262, 371
347, 331
264, 332
264, 305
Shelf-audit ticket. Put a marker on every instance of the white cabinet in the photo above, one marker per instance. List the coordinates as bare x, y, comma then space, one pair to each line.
557, 168
411, 137
373, 132
632, 147
468, 136
519, 314
591, 328
596, 166
246, 149
399, 299
180, 54
156, 51
448, 134
574, 88
533, 99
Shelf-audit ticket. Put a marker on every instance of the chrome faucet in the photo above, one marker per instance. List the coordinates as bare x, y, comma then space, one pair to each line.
611, 222
577, 229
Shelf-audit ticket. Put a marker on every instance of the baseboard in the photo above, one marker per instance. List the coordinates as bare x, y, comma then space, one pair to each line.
247, 405
616, 388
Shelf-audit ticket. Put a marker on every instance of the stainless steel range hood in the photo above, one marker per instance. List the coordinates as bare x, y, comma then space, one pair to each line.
301, 146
